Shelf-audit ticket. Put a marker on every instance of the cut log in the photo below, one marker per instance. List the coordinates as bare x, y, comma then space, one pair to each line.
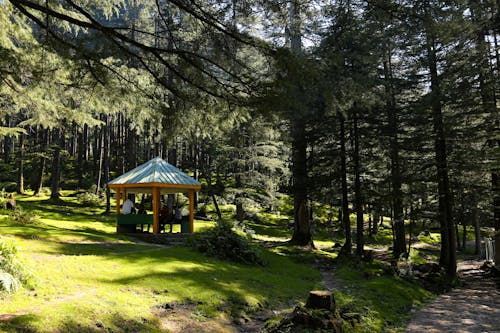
320, 299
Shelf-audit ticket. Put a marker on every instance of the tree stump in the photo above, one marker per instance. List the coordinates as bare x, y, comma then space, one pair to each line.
321, 299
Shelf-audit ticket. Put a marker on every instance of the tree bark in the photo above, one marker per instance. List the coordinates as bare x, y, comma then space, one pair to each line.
396, 192
7, 142
302, 230
448, 256
107, 162
20, 173
56, 167
477, 230
81, 155
357, 188
489, 103
346, 222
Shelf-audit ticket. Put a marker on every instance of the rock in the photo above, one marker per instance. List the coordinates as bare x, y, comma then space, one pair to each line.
368, 256
427, 268
321, 299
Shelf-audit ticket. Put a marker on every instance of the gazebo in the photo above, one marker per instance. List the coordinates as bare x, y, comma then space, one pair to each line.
156, 177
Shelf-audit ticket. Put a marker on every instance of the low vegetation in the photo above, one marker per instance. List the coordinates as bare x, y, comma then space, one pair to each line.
13, 273
223, 242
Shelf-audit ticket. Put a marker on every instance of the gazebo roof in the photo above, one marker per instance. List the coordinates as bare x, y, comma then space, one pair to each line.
155, 173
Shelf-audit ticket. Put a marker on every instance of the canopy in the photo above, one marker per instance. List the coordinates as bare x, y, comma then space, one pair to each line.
155, 177
155, 173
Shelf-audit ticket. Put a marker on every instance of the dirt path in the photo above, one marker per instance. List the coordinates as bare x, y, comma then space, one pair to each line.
474, 307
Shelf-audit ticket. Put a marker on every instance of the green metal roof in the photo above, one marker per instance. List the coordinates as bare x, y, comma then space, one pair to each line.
155, 171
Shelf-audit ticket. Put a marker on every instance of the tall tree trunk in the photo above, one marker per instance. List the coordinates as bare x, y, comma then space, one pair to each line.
376, 218
20, 172
196, 168
107, 162
81, 156
346, 222
101, 157
7, 142
448, 256
477, 230
487, 81
357, 188
41, 170
495, 182
302, 229
396, 192
56, 166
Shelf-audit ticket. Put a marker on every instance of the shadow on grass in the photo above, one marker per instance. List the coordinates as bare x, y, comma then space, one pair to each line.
111, 323
66, 210
48, 232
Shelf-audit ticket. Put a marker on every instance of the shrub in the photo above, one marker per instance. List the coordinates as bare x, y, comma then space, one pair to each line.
13, 274
89, 199
9, 186
224, 243
23, 217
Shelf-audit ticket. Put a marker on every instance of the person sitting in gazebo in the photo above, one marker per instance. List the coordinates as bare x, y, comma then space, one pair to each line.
128, 205
165, 217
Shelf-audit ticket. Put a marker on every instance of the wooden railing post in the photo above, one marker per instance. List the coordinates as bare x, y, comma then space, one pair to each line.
156, 210
191, 211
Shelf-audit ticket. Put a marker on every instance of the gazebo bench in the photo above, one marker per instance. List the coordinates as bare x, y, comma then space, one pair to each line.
128, 222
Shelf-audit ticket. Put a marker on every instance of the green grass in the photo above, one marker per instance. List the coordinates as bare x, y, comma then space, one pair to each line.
383, 301
91, 279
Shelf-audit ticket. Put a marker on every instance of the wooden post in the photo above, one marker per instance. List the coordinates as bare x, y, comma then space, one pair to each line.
191, 211
118, 199
156, 210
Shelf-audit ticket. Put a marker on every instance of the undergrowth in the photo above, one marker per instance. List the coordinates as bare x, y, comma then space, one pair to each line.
23, 216
13, 274
89, 199
224, 243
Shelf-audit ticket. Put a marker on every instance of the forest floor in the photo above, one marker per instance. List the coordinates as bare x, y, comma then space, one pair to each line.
470, 308
89, 279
